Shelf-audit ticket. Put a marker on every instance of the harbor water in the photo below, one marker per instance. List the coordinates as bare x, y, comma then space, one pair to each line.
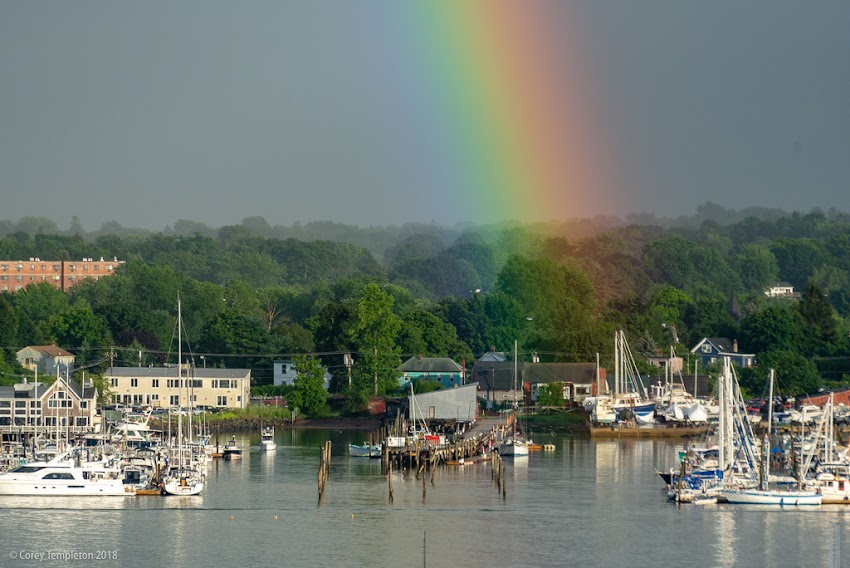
588, 503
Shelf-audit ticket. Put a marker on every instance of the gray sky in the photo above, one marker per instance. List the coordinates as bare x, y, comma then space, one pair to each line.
149, 112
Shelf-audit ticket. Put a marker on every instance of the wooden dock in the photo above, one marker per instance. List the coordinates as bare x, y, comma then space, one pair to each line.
655, 431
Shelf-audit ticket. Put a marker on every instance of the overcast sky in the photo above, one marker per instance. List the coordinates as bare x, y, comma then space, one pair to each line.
149, 112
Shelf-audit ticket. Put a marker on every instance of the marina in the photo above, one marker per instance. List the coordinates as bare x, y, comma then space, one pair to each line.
563, 507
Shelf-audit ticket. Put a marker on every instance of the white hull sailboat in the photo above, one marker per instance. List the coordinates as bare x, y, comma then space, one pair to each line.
185, 479
771, 497
514, 445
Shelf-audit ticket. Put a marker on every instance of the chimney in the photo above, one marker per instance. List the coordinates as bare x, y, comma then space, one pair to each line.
734, 346
492, 349
420, 356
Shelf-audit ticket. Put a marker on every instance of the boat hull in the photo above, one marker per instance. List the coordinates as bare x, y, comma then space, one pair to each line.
176, 488
782, 498
364, 451
514, 450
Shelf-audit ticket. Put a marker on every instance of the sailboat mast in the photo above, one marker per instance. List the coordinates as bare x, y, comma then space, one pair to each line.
179, 385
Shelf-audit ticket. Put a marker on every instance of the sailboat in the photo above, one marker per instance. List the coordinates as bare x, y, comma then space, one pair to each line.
764, 495
514, 445
185, 480
628, 400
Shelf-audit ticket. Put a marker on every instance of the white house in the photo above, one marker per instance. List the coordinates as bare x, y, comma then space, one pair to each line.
285, 373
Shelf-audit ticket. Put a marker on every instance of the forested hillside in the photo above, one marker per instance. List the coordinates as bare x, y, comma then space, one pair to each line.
253, 293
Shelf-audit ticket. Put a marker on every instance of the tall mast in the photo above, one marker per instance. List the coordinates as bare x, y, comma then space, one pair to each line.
179, 386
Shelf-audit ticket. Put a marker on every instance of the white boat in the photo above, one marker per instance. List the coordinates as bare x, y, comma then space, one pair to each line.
514, 445
184, 482
764, 495
184, 479
267, 443
64, 475
364, 451
232, 451
771, 497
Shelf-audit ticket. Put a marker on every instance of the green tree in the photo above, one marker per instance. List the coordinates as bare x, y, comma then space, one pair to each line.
775, 328
757, 267
821, 336
551, 394
309, 393
374, 334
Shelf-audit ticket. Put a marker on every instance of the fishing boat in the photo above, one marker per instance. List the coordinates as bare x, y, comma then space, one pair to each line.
364, 450
232, 451
267, 443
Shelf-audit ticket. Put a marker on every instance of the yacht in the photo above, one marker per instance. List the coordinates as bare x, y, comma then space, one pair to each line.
65, 475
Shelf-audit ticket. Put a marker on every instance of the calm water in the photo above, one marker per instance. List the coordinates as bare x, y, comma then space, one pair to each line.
587, 504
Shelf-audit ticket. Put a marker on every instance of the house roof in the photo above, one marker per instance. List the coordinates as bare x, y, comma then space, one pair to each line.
420, 364
494, 375
35, 391
721, 345
171, 372
581, 373
49, 350
494, 356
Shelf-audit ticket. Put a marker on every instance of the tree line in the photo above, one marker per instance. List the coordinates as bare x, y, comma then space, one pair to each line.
560, 290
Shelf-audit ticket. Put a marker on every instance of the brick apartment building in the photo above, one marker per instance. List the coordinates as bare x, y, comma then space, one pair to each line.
18, 274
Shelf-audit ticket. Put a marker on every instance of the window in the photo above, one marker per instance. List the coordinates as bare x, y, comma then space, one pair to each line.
32, 277
4, 267
113, 381
84, 404
58, 475
155, 383
154, 397
221, 400
706, 348
134, 382
4, 278
197, 383
57, 267
174, 400
56, 277
72, 278
19, 278
72, 267
96, 267
137, 399
82, 421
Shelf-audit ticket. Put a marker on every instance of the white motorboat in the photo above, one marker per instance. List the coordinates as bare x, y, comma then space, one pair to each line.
65, 475
267, 443
364, 451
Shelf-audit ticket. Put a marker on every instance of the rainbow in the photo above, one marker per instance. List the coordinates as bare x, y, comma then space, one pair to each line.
511, 121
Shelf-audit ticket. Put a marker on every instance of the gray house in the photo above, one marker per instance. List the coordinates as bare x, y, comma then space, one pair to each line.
46, 359
711, 349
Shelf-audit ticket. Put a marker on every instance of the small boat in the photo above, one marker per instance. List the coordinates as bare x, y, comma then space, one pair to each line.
232, 451
183, 482
267, 443
364, 451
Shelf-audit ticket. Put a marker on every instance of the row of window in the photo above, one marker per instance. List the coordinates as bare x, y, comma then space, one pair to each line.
179, 383
45, 421
173, 400
55, 267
